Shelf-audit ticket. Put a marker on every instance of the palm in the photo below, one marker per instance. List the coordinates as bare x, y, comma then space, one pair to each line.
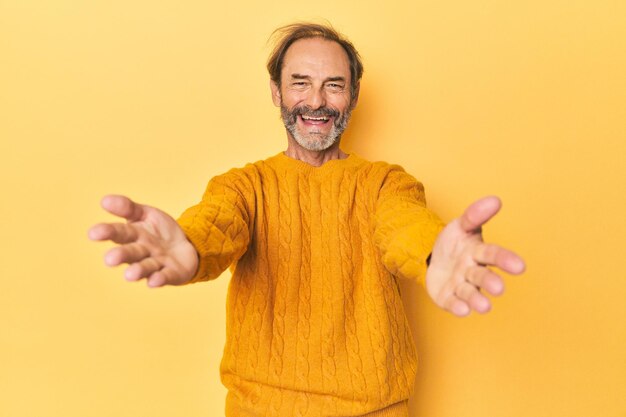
458, 269
151, 242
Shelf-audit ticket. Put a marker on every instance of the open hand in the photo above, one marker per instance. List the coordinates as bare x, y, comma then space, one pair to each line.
458, 273
151, 242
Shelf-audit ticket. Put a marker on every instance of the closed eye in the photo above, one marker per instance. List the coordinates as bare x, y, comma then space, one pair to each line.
335, 86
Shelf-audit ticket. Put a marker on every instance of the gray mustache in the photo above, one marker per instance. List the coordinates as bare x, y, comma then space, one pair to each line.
321, 112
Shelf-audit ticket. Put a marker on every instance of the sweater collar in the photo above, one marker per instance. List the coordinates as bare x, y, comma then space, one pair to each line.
283, 161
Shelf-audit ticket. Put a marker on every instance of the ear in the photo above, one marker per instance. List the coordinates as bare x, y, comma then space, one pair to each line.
355, 100
276, 97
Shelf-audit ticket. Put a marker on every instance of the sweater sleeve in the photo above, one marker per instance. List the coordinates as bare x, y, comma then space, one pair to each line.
218, 227
405, 230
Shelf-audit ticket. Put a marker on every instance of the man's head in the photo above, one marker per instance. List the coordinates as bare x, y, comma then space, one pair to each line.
315, 74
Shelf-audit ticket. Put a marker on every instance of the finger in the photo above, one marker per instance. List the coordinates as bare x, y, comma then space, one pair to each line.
486, 279
479, 212
456, 306
123, 207
506, 260
129, 254
158, 279
474, 299
116, 232
142, 269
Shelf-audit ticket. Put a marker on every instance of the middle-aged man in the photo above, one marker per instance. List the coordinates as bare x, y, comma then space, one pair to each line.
316, 239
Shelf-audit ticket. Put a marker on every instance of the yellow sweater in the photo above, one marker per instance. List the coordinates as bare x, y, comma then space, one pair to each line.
315, 323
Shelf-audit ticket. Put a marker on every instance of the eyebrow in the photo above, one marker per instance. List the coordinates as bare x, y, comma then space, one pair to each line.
308, 77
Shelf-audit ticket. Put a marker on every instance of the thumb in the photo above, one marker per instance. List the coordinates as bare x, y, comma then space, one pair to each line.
479, 213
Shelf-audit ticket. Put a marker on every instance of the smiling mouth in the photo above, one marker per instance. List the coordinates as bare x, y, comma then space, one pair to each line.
320, 120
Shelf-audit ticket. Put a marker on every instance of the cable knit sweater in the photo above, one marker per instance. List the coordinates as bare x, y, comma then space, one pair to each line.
315, 322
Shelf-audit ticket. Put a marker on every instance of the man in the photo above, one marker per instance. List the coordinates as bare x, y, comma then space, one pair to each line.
316, 239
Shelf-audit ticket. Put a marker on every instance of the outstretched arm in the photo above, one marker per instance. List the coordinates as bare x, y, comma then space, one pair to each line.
458, 272
151, 242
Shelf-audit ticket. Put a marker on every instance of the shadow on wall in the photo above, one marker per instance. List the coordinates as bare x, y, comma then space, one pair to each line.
356, 137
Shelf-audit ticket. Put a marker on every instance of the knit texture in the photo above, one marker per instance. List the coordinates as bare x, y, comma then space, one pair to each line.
315, 322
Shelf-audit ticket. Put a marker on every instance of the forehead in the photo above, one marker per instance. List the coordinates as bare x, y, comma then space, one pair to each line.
316, 57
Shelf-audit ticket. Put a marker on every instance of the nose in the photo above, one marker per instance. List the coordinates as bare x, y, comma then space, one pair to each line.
316, 98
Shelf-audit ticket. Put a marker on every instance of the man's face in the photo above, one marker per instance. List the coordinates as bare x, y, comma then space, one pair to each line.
314, 95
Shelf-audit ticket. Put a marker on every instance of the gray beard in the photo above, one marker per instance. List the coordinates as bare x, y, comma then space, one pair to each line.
315, 141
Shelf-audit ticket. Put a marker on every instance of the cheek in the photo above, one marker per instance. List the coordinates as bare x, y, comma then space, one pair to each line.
341, 105
290, 97
340, 101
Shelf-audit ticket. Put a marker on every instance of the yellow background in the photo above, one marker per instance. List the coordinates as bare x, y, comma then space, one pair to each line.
525, 100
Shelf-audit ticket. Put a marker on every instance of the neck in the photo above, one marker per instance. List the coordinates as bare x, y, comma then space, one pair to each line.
315, 158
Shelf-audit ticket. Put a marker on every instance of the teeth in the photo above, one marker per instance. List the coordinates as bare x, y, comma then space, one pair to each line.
315, 118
